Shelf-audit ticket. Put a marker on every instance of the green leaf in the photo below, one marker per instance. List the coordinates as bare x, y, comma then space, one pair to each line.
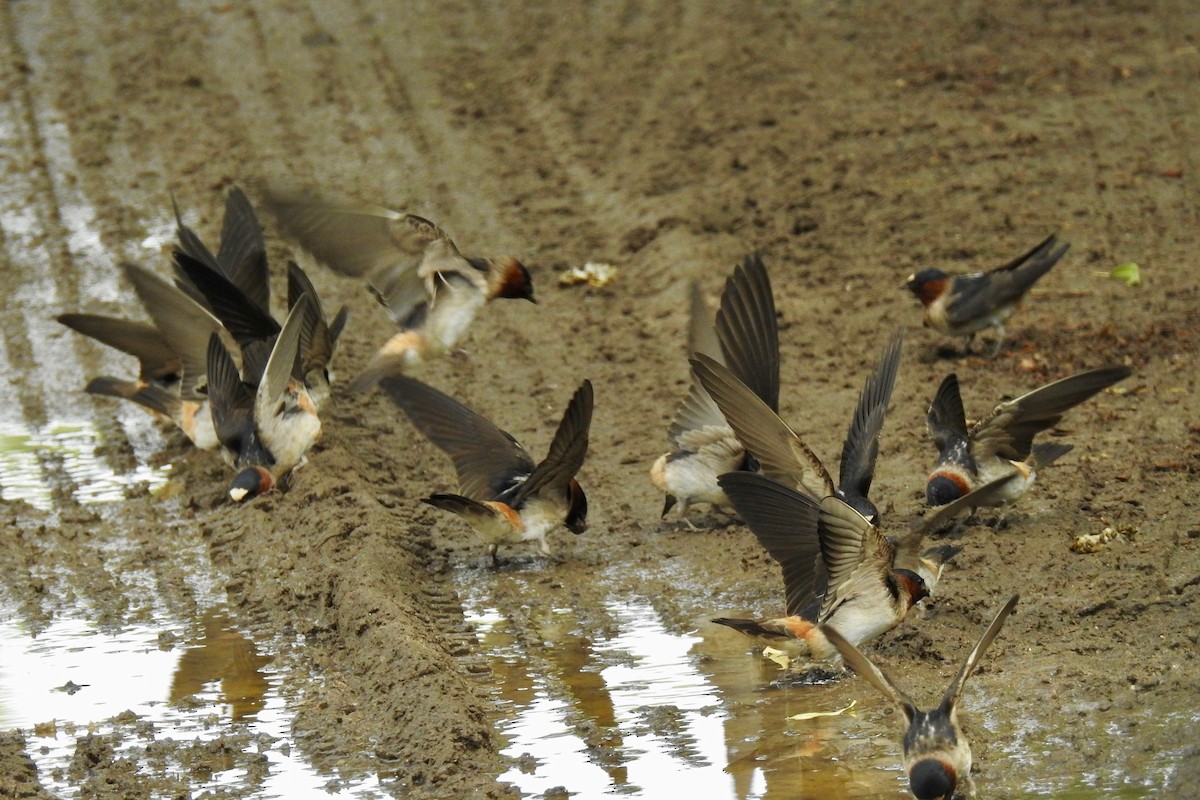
1129, 272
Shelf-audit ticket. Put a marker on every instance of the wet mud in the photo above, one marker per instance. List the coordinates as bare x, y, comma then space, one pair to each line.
347, 629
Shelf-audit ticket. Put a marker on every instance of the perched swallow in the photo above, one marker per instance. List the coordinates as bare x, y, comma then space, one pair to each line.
431, 291
265, 429
502, 493
745, 336
962, 305
783, 455
1002, 442
839, 570
937, 756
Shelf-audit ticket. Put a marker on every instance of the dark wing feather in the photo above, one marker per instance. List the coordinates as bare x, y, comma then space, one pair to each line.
749, 331
698, 410
316, 341
867, 670
1009, 430
243, 253
567, 451
845, 537
232, 403
384, 247
861, 448
977, 295
785, 523
138, 339
781, 454
486, 459
240, 315
955, 688
946, 418
184, 323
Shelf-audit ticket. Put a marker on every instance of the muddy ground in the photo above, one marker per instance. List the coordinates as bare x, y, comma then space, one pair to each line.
848, 143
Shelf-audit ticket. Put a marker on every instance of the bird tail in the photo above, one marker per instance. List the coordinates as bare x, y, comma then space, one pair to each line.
1043, 455
750, 627
148, 396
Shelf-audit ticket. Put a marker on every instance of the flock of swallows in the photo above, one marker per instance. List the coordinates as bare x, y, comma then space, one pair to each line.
217, 364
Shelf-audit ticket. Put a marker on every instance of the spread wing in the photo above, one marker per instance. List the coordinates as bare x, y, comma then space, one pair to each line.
242, 317
748, 330
781, 454
871, 673
242, 255
861, 448
848, 540
1009, 430
785, 523
231, 401
486, 459
567, 450
269, 398
138, 339
951, 696
399, 254
185, 325
698, 410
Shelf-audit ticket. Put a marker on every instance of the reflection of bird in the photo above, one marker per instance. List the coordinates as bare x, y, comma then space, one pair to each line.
1002, 442
170, 351
265, 427
228, 656
782, 455
745, 337
430, 290
502, 493
962, 305
937, 755
839, 570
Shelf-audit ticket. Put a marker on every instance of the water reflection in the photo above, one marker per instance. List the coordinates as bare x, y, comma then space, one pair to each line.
138, 684
646, 712
223, 654
23, 475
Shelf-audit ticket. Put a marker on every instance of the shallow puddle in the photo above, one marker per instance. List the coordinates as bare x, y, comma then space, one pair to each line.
24, 477
641, 710
208, 687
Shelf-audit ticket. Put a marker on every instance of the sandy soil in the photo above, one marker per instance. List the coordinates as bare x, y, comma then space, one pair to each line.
848, 143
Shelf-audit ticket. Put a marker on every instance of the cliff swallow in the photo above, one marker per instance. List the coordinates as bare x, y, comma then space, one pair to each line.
265, 429
962, 305
744, 336
783, 455
502, 493
255, 330
1002, 442
937, 756
170, 350
431, 290
839, 570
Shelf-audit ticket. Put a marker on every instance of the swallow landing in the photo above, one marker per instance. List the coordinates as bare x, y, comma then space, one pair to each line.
502, 493
937, 756
963, 305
